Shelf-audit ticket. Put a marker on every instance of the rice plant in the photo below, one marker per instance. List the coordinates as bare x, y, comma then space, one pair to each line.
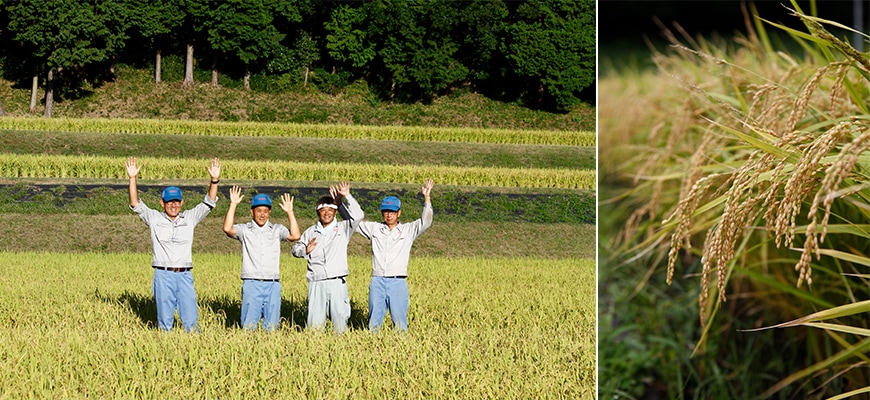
82, 325
219, 128
755, 182
48, 166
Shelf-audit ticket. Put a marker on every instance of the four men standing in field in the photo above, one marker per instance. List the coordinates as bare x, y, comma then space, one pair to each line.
323, 245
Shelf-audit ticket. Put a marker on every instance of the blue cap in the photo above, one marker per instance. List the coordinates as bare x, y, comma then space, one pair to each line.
171, 193
391, 203
261, 200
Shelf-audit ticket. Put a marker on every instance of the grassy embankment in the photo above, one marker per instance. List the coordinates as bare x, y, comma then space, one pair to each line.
133, 94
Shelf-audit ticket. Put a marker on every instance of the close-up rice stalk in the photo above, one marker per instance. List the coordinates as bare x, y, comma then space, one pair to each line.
742, 174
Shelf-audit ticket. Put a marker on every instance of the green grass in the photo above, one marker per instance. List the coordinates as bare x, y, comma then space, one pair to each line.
451, 204
83, 325
109, 233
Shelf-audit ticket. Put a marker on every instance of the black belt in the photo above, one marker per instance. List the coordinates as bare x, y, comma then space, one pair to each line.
262, 280
337, 277
172, 269
396, 277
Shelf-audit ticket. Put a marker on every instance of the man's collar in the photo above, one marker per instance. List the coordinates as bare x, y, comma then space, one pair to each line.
321, 228
267, 225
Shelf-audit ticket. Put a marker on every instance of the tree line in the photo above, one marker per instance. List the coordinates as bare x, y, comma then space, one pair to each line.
540, 53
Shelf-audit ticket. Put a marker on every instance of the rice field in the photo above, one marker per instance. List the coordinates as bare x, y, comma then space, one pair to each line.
489, 317
54, 166
289, 130
77, 325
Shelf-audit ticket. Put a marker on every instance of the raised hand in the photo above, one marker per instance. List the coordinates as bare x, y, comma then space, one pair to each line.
287, 203
215, 169
340, 190
287, 206
236, 195
427, 188
132, 167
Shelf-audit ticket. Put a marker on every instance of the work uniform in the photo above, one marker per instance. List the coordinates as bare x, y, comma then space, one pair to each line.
327, 267
391, 251
261, 285
171, 258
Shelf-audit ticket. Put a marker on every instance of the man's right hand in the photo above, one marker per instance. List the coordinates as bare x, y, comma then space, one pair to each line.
236, 195
132, 167
427, 188
311, 245
339, 191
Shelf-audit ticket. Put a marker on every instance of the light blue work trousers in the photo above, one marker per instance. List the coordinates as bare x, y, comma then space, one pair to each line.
260, 300
328, 298
174, 290
392, 294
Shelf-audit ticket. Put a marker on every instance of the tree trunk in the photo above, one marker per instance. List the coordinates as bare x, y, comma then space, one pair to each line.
214, 71
2, 110
247, 77
393, 89
305, 81
157, 60
188, 67
49, 93
33, 88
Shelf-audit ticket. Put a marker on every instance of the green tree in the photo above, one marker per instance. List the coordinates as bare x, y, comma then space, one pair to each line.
244, 28
348, 40
551, 48
307, 53
117, 18
481, 34
197, 17
417, 46
405, 47
299, 50
155, 21
61, 36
